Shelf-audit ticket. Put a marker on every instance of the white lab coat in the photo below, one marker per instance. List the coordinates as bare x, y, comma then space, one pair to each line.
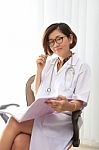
54, 131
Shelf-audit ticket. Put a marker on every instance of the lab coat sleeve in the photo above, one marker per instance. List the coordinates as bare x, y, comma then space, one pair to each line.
83, 84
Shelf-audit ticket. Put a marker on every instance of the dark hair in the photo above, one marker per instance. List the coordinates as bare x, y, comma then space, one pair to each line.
64, 28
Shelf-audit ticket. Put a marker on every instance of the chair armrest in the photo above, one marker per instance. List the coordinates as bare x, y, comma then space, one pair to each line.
4, 116
75, 117
7, 105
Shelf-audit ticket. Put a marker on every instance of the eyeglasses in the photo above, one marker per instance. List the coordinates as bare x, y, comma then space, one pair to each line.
58, 40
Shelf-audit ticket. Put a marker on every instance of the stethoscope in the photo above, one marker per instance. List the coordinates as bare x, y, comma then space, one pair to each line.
69, 70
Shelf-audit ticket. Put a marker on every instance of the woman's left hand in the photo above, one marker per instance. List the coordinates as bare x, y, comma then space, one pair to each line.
59, 104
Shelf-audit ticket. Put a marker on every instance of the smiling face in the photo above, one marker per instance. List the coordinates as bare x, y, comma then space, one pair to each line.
58, 36
59, 43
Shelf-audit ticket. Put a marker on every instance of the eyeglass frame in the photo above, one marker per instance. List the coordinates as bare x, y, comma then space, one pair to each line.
55, 40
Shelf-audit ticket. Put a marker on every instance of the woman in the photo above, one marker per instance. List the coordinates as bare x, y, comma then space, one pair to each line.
65, 80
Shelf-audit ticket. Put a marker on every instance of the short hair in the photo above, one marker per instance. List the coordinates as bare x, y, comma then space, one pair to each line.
64, 28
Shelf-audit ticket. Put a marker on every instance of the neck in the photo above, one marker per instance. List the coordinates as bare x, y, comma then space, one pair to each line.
61, 61
65, 58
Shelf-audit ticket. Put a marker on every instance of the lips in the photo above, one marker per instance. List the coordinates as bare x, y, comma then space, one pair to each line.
57, 49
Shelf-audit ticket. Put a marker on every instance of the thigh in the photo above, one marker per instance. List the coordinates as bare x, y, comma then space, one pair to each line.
16, 127
21, 141
26, 126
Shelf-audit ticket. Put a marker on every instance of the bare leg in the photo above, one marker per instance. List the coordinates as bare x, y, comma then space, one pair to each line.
21, 142
12, 129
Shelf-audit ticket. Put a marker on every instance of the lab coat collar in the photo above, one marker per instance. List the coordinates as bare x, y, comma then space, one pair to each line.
74, 58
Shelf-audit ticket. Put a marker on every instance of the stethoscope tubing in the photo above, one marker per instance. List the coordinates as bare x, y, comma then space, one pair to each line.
70, 68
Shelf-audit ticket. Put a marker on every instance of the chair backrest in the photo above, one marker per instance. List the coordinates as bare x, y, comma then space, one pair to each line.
75, 115
29, 93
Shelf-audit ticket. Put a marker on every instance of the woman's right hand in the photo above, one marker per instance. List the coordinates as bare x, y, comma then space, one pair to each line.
41, 60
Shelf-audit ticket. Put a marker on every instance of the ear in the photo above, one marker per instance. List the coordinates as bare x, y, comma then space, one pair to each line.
71, 38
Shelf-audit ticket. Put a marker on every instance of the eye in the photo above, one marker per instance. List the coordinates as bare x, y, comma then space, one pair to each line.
51, 43
59, 38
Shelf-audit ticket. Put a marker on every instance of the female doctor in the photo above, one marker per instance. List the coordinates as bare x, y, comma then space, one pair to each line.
65, 80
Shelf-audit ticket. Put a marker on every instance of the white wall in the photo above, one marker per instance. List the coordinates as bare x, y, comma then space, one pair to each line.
91, 116
16, 49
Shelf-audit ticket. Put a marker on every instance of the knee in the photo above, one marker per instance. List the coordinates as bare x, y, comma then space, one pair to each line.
22, 141
13, 124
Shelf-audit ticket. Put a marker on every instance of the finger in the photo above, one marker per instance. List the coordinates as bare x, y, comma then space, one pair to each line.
40, 61
44, 57
60, 97
51, 103
55, 103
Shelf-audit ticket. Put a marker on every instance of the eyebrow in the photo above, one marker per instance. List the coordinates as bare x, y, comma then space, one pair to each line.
57, 37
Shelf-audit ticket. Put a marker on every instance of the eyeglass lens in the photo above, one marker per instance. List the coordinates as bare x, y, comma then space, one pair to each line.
58, 40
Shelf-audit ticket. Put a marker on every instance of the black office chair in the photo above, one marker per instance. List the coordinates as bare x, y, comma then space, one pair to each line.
30, 98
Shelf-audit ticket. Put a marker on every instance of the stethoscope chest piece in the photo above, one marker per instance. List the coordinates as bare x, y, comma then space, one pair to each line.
48, 90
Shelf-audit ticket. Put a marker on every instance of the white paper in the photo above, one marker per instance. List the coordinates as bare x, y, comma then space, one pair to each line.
36, 109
